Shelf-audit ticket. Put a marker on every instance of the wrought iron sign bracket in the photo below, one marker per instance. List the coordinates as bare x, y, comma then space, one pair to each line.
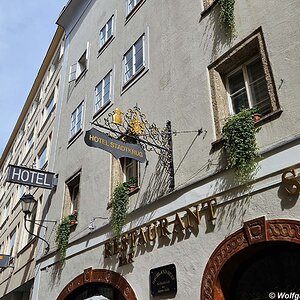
133, 127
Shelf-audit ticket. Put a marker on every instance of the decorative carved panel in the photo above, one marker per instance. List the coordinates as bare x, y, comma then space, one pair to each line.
254, 231
100, 276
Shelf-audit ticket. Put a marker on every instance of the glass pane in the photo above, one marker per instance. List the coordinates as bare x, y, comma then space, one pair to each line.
255, 70
109, 29
130, 6
106, 89
98, 96
236, 82
260, 95
128, 65
239, 101
139, 59
102, 37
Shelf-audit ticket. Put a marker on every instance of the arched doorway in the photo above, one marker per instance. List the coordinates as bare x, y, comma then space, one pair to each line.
98, 284
261, 258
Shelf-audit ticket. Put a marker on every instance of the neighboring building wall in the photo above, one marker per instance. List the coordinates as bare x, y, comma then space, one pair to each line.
29, 145
182, 78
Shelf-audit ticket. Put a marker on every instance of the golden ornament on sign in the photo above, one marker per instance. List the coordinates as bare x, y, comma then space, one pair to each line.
136, 126
117, 118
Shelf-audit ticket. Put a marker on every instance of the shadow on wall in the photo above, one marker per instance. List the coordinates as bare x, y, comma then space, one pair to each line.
214, 33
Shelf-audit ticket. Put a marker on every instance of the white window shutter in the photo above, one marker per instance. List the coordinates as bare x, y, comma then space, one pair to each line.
87, 54
72, 74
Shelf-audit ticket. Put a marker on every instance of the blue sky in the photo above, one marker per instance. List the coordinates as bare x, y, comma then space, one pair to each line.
26, 30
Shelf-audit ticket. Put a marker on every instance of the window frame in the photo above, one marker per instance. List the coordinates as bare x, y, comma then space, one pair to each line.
105, 28
136, 4
247, 83
250, 47
71, 136
103, 104
135, 71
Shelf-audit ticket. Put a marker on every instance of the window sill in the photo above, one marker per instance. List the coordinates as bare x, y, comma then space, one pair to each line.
81, 75
133, 11
105, 45
139, 74
74, 137
217, 144
208, 9
133, 191
102, 110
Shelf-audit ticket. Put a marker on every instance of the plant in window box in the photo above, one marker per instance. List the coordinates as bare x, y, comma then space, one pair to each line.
73, 218
240, 144
132, 183
119, 206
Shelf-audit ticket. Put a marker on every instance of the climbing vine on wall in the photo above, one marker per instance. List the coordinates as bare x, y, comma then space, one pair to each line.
227, 16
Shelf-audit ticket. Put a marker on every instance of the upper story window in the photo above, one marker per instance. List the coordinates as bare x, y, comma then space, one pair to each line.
29, 141
72, 194
131, 4
42, 157
242, 78
247, 87
134, 60
50, 105
130, 171
103, 92
12, 238
77, 120
77, 69
106, 32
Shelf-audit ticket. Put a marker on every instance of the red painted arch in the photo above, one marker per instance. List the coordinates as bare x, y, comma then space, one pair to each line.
254, 231
101, 276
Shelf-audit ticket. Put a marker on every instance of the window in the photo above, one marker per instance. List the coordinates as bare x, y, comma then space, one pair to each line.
42, 157
130, 170
103, 92
133, 60
79, 68
72, 195
50, 105
76, 120
242, 78
106, 32
12, 239
247, 87
29, 141
131, 4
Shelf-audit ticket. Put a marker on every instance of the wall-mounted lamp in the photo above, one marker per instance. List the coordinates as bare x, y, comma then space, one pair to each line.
28, 203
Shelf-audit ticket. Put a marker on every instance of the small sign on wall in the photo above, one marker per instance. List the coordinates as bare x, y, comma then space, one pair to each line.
163, 280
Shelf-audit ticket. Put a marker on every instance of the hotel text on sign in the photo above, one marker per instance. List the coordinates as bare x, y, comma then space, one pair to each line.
98, 139
31, 177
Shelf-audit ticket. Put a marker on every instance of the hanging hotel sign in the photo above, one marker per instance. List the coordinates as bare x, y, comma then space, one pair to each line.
163, 280
98, 139
31, 177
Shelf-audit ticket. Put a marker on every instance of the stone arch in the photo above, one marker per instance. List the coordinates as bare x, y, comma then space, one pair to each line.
255, 231
99, 276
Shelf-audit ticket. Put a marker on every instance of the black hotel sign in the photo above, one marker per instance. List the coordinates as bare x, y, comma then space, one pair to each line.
163, 280
31, 177
98, 139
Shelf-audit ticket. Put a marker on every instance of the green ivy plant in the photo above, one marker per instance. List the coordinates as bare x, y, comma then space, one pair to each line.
227, 16
62, 237
120, 200
240, 144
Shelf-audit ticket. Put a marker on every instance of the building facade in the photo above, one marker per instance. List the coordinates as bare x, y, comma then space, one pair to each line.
192, 230
29, 146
